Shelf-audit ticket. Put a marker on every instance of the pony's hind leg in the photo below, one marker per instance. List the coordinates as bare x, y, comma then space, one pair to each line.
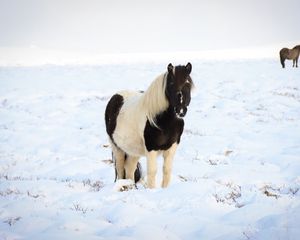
130, 167
119, 159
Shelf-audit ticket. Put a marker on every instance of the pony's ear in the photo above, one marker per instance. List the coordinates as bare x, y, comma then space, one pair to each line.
188, 68
170, 68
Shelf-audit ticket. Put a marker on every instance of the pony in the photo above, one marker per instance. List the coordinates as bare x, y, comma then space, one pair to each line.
148, 124
290, 54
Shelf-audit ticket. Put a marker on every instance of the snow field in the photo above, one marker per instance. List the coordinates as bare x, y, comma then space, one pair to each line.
235, 174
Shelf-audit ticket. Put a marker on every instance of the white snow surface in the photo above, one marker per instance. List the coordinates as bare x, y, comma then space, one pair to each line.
236, 173
34, 55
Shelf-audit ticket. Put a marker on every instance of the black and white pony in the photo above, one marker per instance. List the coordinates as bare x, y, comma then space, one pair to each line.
148, 124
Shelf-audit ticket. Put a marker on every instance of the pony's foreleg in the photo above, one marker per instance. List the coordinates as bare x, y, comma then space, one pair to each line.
167, 167
119, 158
130, 166
151, 168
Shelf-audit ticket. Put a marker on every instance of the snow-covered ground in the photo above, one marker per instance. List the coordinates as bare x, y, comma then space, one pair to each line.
236, 172
34, 55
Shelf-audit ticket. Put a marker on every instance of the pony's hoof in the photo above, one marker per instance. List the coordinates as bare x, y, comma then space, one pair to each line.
123, 185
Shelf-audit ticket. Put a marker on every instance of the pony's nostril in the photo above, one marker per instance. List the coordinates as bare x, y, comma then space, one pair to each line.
181, 113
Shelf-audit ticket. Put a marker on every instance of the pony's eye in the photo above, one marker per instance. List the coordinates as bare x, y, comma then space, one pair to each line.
172, 81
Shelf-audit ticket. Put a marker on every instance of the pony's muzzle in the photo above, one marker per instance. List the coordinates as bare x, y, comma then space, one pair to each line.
180, 111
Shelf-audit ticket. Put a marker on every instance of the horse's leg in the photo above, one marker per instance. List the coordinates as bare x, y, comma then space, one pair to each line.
119, 158
151, 168
294, 61
130, 166
167, 168
297, 61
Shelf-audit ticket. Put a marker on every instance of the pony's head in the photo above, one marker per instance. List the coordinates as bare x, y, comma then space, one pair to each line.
178, 88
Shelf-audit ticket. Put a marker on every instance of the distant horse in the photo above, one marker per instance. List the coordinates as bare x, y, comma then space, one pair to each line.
290, 54
148, 124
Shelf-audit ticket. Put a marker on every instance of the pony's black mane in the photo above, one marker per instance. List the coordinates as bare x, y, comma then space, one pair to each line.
297, 47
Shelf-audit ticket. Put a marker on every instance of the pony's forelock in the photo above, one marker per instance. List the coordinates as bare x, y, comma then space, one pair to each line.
154, 99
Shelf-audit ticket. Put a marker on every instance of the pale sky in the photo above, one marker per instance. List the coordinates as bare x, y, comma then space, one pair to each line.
125, 26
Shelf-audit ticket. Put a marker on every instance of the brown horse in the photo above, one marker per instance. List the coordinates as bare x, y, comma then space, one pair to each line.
290, 54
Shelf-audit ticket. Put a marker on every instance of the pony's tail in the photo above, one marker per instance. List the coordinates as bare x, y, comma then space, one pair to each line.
138, 173
282, 58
